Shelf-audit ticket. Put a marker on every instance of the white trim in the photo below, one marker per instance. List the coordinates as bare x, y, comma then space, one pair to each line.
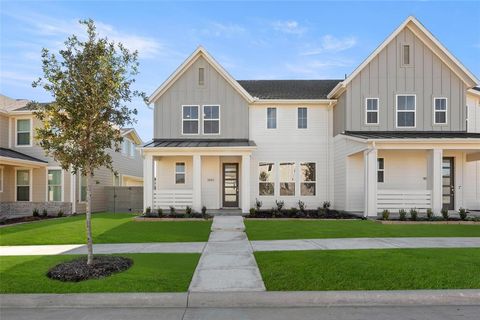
414, 110
203, 120
446, 112
30, 180
297, 118
30, 133
309, 102
184, 173
62, 184
198, 119
275, 169
276, 118
73, 189
1, 178
367, 111
119, 180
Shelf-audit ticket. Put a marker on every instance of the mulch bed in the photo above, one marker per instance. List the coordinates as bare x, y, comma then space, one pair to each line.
25, 219
78, 270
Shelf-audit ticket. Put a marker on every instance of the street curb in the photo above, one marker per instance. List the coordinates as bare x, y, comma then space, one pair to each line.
244, 299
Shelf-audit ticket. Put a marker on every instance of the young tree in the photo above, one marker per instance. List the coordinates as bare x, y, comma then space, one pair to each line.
91, 82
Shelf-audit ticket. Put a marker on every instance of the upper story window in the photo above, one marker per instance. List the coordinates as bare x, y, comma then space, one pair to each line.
23, 185
201, 76
287, 179
371, 109
271, 118
406, 106
132, 149
24, 128
211, 119
302, 118
180, 173
406, 55
190, 120
380, 169
128, 148
54, 185
266, 178
440, 110
308, 178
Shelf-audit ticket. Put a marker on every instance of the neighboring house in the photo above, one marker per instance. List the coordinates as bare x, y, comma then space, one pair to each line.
392, 135
29, 179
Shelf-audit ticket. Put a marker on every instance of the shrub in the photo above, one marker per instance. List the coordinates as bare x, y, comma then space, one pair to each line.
429, 214
60, 213
293, 212
252, 212
172, 210
463, 213
275, 212
258, 204
160, 212
35, 212
385, 214
204, 210
301, 205
413, 214
280, 204
188, 210
444, 212
44, 213
326, 205
403, 214
148, 210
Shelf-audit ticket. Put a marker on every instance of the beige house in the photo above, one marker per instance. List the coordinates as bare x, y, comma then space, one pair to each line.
29, 179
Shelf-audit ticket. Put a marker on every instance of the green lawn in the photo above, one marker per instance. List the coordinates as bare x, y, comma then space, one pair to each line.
312, 229
393, 269
156, 272
106, 228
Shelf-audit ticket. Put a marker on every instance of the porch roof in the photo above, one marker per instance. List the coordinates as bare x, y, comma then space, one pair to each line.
373, 135
13, 156
199, 143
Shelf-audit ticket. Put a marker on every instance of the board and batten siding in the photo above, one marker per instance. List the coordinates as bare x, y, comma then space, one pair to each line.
384, 78
473, 119
215, 91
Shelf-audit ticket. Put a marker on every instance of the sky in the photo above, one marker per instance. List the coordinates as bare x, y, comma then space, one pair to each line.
252, 40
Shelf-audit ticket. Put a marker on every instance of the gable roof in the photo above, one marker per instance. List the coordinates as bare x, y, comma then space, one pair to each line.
199, 52
425, 36
133, 133
289, 89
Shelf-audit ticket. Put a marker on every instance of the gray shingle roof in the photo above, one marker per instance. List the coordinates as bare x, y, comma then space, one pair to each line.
289, 89
413, 134
476, 88
195, 143
9, 153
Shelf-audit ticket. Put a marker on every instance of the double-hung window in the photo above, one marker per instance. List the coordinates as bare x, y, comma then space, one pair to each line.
24, 132
380, 170
271, 118
180, 173
371, 109
83, 188
132, 149
440, 110
266, 178
23, 185
211, 119
190, 120
302, 118
54, 191
308, 178
287, 178
406, 106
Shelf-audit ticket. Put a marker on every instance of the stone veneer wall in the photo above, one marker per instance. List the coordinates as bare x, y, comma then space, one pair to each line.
22, 209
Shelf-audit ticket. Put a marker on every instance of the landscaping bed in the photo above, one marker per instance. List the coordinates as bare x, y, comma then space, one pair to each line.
16, 220
294, 213
458, 221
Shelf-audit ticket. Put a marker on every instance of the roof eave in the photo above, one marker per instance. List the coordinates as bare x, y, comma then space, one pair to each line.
294, 101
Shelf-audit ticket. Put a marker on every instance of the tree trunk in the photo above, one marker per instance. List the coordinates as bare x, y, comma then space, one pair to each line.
89, 220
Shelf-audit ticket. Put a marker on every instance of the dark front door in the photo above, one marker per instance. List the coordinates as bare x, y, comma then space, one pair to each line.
230, 184
448, 183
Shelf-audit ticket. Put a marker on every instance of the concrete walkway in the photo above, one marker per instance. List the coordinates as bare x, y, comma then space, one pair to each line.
227, 262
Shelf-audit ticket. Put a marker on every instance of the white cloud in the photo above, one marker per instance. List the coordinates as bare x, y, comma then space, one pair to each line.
330, 44
289, 26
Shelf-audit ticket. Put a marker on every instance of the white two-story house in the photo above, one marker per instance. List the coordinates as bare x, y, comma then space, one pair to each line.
402, 131
29, 179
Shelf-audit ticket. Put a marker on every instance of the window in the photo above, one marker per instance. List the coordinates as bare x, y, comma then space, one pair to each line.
308, 178
125, 146
271, 118
23, 185
190, 120
54, 187
1, 179
406, 106
201, 76
83, 188
380, 170
371, 108
287, 179
132, 149
406, 55
211, 119
302, 118
440, 105
180, 173
23, 132
266, 178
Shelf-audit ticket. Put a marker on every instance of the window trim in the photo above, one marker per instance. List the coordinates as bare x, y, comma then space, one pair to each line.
382, 170
274, 163
30, 178
414, 110
1, 178
306, 118
203, 119
62, 184
402, 55
30, 132
198, 119
300, 179
276, 118
175, 173
295, 175
367, 111
435, 112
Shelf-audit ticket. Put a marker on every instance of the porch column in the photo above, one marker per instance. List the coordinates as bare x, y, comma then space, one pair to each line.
434, 178
147, 181
197, 183
370, 165
245, 183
